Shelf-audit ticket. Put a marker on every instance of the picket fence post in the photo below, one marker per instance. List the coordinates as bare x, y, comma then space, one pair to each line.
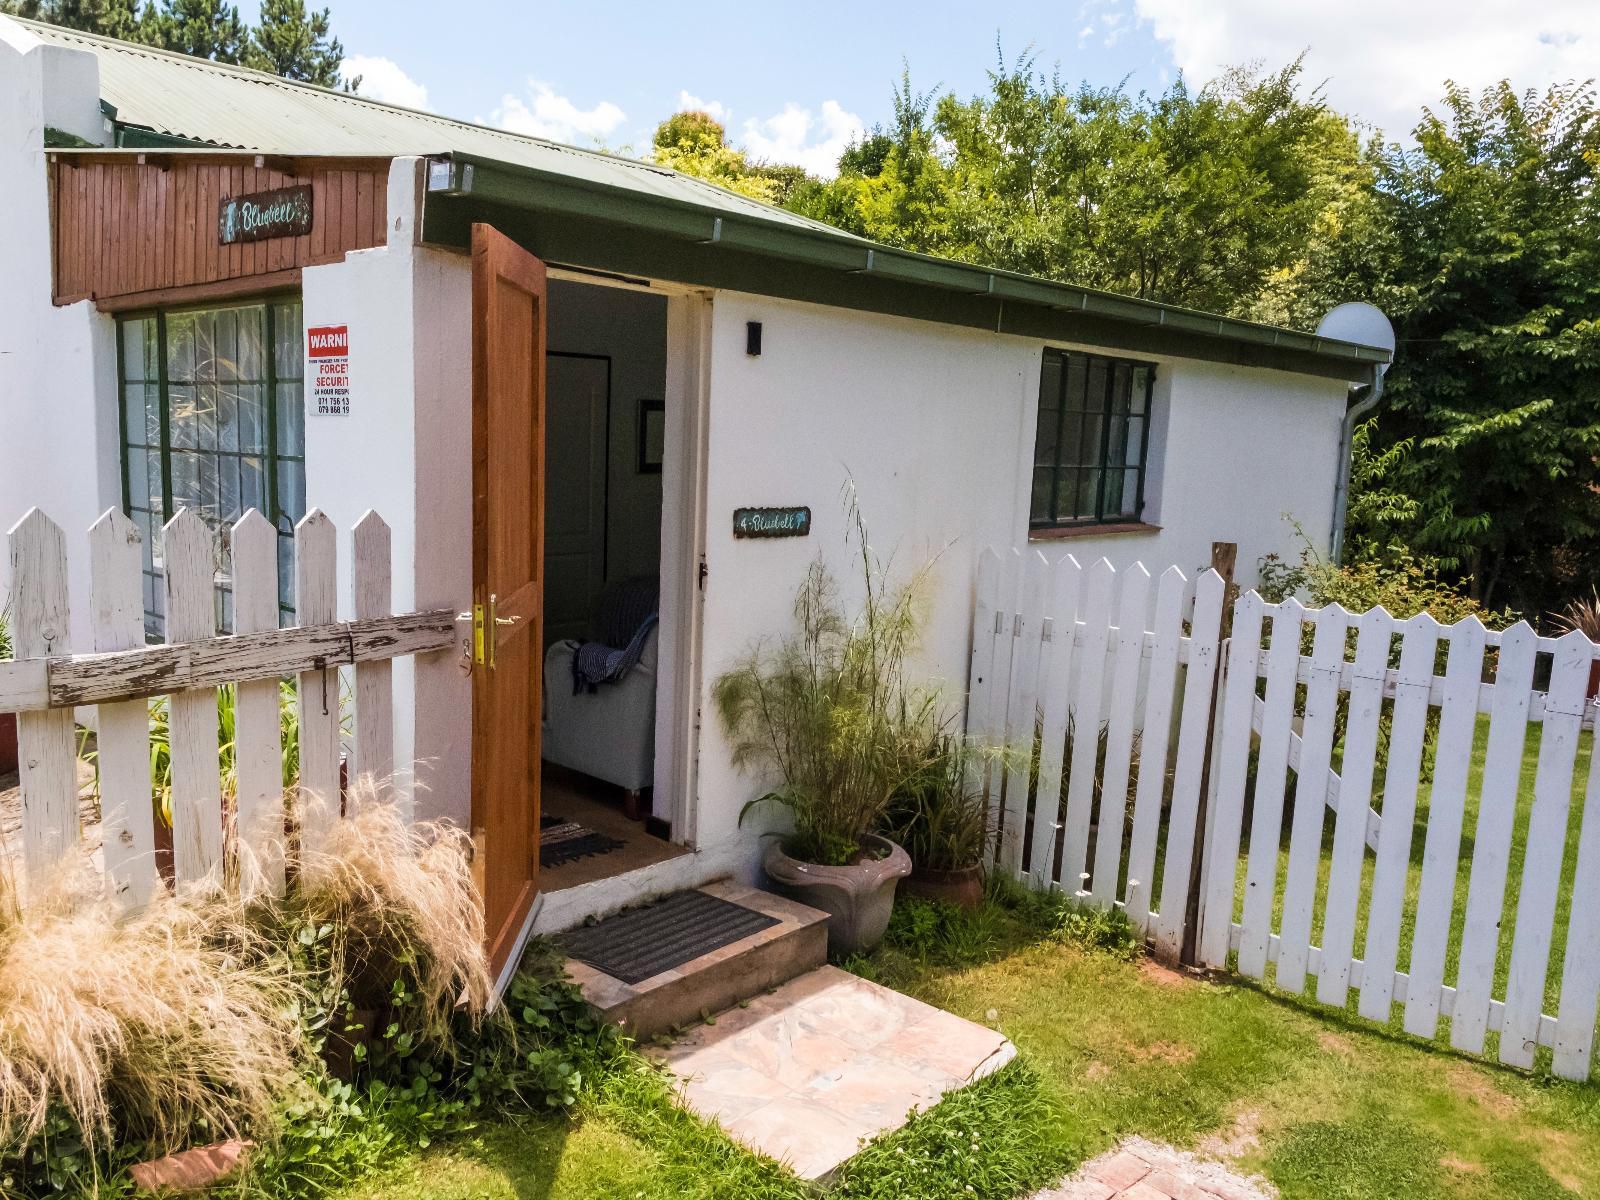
258, 722
127, 813
316, 603
47, 760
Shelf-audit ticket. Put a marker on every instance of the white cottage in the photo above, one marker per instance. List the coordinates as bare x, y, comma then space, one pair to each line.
577, 386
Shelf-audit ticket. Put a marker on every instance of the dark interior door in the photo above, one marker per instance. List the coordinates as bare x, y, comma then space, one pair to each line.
508, 389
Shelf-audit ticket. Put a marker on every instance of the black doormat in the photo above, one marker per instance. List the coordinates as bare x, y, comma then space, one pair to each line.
562, 841
640, 942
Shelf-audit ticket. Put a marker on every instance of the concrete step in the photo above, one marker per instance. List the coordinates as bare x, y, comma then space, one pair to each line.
717, 980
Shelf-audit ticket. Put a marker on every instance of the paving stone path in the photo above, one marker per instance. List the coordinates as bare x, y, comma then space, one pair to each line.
1142, 1170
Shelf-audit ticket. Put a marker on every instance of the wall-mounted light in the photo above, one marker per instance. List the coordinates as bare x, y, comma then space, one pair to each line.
752, 338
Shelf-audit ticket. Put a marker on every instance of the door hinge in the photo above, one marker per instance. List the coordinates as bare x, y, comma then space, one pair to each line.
703, 573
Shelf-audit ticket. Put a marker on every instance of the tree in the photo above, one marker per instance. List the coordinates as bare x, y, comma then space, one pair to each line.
1482, 242
695, 143
288, 40
291, 42
1189, 197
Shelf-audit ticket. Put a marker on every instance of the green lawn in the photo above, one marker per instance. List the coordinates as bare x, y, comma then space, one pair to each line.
1323, 1104
1530, 761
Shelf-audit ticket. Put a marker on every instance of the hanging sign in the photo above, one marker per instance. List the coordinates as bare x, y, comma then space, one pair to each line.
284, 212
771, 522
328, 363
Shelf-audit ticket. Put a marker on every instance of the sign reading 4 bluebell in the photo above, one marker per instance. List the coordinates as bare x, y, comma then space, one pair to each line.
771, 522
285, 212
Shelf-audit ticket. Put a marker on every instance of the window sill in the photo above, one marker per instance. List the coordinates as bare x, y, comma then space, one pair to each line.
1081, 531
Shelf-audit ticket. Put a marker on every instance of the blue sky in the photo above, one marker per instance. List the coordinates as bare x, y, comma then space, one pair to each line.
794, 81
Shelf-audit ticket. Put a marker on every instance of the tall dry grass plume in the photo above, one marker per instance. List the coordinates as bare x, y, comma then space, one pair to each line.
144, 1026
399, 900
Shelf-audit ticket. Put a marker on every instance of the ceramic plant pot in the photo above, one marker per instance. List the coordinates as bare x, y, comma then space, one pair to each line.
962, 887
857, 897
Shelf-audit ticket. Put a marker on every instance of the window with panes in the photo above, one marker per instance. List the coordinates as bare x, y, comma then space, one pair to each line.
213, 419
1092, 440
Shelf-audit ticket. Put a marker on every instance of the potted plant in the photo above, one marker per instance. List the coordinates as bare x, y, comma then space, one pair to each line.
940, 815
826, 713
8, 721
1582, 615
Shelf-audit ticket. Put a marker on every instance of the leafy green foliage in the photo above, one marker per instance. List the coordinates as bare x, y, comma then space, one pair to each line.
696, 143
1401, 582
937, 814
1188, 197
292, 42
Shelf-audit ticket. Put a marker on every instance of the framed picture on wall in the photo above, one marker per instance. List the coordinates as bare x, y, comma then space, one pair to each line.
652, 435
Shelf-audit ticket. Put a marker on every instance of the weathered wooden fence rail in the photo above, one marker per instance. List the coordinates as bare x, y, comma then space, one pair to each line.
120, 672
1369, 697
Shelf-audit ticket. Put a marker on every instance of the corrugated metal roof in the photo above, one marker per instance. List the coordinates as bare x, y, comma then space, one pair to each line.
224, 105
238, 108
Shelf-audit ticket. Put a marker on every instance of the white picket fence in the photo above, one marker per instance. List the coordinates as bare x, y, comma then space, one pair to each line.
1143, 683
46, 682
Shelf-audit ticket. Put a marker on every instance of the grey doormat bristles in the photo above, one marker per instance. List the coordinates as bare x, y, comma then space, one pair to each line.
641, 942
562, 841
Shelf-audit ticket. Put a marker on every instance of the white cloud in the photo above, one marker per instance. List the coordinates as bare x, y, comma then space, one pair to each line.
797, 135
382, 79
544, 113
689, 102
1382, 60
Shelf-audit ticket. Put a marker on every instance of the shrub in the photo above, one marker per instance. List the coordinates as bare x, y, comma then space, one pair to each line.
1581, 614
1404, 584
137, 1028
938, 813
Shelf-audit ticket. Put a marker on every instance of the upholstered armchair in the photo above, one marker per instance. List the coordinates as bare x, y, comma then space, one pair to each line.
600, 697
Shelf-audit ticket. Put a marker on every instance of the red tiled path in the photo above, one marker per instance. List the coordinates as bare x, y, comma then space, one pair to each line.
1141, 1170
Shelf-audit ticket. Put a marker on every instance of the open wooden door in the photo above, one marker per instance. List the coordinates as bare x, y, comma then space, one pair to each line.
508, 363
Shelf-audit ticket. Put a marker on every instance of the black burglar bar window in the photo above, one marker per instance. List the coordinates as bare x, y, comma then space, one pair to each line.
1090, 447
213, 418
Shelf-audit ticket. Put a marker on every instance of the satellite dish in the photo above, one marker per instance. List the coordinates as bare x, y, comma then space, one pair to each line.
1359, 322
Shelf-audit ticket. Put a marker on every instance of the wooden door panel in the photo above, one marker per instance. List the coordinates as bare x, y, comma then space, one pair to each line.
508, 384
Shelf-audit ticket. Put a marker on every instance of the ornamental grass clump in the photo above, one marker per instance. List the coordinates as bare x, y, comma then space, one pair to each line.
828, 711
138, 1028
385, 902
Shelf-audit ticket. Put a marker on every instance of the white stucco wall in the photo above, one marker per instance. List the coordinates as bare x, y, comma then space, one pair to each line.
936, 426
59, 447
405, 452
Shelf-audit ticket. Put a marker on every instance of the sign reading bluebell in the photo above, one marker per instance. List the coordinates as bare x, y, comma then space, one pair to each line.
284, 212
771, 522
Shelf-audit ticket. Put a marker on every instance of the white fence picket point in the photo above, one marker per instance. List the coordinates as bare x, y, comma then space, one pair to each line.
1133, 613
1066, 592
1305, 839
189, 554
1546, 846
47, 759
316, 602
374, 687
1193, 733
1227, 810
127, 815
1408, 732
1090, 668
1022, 707
1272, 771
1441, 854
1355, 798
1491, 851
258, 728
1150, 793
1580, 979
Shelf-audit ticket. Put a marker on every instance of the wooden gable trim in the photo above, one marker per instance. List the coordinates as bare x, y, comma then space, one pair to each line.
135, 230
